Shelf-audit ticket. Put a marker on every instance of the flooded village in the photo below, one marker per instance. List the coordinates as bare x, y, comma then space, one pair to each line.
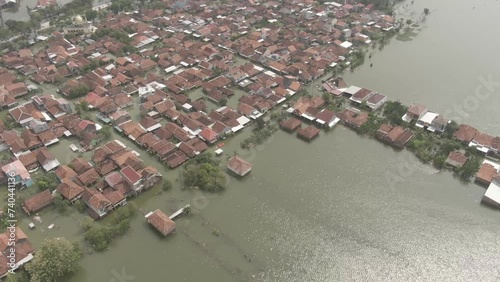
103, 112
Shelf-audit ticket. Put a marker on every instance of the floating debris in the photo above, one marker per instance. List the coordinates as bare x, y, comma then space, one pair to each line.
216, 232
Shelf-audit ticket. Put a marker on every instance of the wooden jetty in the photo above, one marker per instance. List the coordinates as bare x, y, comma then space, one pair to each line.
175, 214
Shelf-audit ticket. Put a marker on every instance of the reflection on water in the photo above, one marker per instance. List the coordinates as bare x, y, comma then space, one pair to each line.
439, 68
20, 12
324, 211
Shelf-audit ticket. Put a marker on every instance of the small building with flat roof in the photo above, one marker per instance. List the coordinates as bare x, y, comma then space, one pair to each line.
492, 195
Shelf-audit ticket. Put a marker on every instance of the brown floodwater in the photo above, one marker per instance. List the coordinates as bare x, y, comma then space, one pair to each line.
343, 207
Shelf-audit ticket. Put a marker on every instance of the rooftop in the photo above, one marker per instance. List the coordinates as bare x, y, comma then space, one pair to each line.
239, 166
130, 174
486, 173
38, 201
161, 222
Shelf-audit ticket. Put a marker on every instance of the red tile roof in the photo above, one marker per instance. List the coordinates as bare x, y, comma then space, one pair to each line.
208, 134
465, 133
486, 173
239, 166
291, 124
65, 172
113, 178
456, 159
308, 133
417, 109
38, 202
70, 190
130, 174
161, 222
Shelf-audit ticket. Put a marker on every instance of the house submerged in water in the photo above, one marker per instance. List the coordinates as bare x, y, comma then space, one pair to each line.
239, 166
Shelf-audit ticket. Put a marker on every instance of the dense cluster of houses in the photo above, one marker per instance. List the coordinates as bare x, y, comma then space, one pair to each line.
10, 89
42, 127
426, 119
177, 53
43, 120
284, 45
312, 110
61, 59
323, 36
309, 109
15, 250
104, 183
483, 142
489, 172
197, 50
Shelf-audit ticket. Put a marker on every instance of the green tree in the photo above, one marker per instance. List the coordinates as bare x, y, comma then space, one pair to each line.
42, 184
91, 15
204, 173
327, 97
4, 220
223, 101
304, 92
357, 58
86, 223
439, 161
120, 5
60, 203
120, 228
18, 27
35, 21
450, 129
447, 146
81, 206
47, 181
105, 132
54, 259
79, 91
217, 72
371, 126
394, 111
21, 275
98, 237
469, 169
260, 123
5, 34
91, 66
205, 157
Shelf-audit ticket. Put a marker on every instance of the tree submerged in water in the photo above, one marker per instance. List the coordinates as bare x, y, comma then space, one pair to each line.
100, 236
54, 259
203, 172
